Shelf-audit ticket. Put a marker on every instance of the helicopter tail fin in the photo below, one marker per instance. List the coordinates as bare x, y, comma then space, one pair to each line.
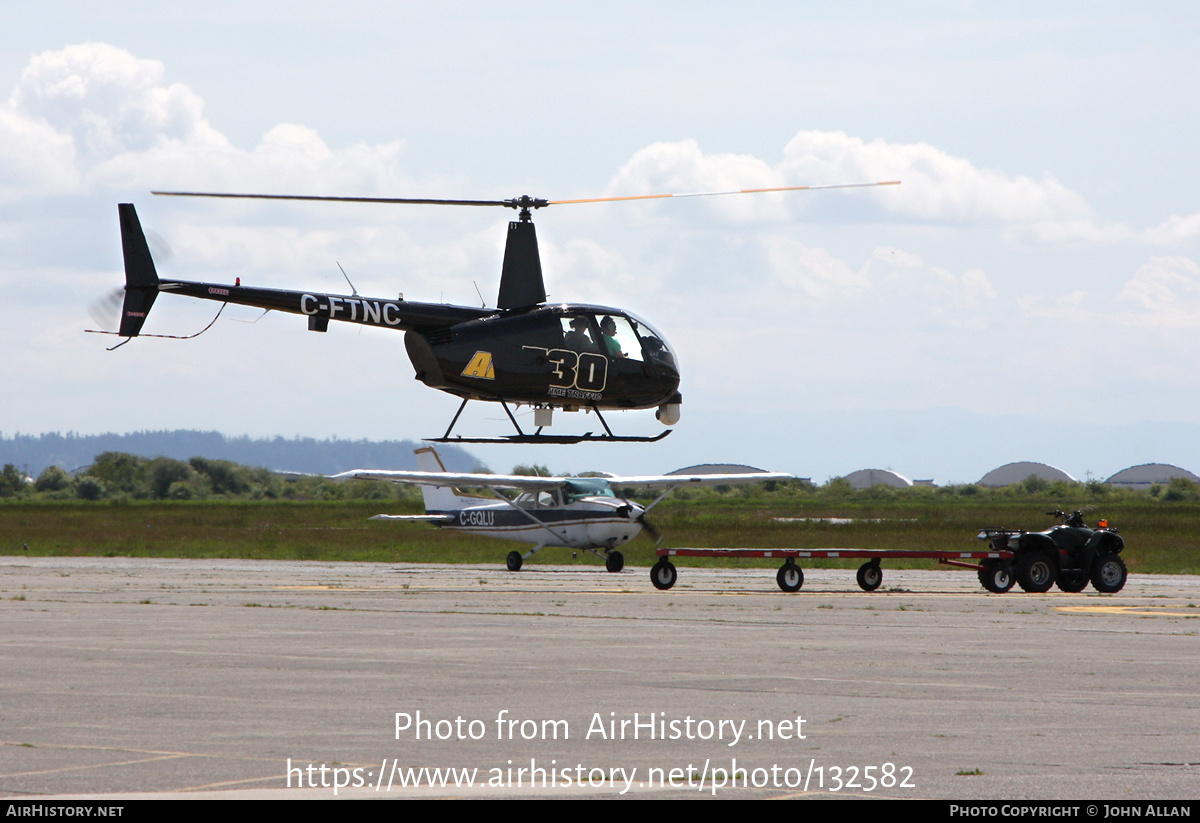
521, 284
141, 279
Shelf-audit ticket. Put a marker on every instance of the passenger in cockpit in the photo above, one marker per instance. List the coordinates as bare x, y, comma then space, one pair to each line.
578, 338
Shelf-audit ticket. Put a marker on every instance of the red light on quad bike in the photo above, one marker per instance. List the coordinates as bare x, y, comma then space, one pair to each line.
1103, 524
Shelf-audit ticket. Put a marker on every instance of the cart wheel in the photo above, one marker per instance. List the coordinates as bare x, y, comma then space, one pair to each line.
1109, 574
614, 561
663, 575
790, 577
514, 561
869, 576
997, 577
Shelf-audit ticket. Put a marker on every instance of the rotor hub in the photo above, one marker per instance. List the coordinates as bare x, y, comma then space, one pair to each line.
524, 203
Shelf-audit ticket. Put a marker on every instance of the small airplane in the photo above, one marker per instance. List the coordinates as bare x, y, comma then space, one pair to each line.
572, 512
570, 356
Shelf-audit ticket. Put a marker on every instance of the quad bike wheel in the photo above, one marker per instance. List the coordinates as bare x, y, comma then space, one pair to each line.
1035, 572
1109, 573
1072, 580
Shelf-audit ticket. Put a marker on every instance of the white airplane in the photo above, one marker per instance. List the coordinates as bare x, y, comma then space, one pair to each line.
571, 512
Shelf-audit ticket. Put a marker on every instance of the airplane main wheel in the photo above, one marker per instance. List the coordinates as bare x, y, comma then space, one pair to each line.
514, 561
614, 561
1035, 572
997, 578
663, 575
869, 576
790, 577
1109, 573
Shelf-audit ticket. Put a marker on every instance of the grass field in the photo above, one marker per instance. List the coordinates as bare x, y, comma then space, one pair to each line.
1161, 537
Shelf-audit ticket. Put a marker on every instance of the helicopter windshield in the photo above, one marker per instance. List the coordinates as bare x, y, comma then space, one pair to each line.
653, 344
579, 487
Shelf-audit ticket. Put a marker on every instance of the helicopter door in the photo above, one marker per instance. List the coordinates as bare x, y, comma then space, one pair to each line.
589, 370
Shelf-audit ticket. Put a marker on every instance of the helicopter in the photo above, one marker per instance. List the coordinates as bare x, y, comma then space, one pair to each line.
525, 351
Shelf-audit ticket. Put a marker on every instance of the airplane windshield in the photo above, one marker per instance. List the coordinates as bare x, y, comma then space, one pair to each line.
579, 487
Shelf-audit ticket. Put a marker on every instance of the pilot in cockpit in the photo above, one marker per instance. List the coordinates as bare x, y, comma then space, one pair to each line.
608, 334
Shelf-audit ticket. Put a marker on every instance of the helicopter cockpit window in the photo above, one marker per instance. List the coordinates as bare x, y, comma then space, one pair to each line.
619, 338
577, 334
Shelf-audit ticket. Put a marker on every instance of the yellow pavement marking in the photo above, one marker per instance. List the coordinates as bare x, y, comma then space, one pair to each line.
1137, 611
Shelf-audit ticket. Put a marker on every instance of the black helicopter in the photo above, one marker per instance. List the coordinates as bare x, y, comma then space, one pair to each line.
524, 351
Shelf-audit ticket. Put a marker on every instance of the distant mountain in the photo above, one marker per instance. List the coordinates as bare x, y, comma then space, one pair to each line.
33, 453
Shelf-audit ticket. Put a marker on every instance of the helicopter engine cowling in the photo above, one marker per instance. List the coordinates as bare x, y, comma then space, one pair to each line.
424, 362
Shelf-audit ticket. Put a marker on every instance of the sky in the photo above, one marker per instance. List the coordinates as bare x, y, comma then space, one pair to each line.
1030, 292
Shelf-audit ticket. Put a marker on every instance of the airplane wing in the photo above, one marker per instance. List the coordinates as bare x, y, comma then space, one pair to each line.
534, 483
671, 480
491, 481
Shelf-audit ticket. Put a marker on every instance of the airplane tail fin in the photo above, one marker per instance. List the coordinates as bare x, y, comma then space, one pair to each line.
141, 279
437, 498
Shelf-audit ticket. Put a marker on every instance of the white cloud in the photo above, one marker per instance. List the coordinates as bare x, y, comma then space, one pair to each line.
890, 286
95, 116
1162, 298
682, 168
1168, 291
815, 273
935, 185
1174, 230
106, 101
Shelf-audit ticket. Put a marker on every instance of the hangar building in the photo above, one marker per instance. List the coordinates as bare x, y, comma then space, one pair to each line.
1011, 473
1147, 474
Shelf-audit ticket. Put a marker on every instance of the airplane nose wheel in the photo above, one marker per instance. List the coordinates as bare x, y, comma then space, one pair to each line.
514, 561
614, 561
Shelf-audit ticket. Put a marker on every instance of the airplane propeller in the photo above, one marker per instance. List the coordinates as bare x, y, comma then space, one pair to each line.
650, 529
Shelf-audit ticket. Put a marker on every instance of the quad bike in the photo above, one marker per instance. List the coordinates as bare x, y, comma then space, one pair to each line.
1070, 555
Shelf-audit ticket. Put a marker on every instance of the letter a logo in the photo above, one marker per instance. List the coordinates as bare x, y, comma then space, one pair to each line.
480, 366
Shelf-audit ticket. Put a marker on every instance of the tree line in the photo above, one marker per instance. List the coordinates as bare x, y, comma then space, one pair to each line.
118, 475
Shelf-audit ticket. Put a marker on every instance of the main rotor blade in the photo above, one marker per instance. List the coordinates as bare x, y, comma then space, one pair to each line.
718, 193
525, 202
424, 201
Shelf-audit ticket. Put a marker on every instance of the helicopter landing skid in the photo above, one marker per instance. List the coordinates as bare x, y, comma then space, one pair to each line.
551, 438
538, 437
